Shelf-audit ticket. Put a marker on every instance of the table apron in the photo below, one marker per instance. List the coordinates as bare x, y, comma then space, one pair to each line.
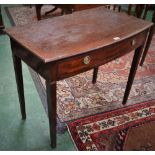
77, 64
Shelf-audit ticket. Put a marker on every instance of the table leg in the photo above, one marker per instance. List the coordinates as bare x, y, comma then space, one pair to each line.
38, 11
132, 73
129, 9
119, 8
51, 101
148, 42
95, 72
20, 86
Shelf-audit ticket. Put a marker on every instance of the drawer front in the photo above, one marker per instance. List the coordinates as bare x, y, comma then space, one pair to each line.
84, 62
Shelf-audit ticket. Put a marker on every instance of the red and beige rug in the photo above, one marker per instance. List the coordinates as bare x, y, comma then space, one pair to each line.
131, 128
78, 97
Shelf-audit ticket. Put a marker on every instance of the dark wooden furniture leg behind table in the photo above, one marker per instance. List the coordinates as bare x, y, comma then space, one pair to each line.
38, 11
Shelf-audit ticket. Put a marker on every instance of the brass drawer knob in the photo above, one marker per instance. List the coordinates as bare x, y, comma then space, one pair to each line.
86, 60
133, 43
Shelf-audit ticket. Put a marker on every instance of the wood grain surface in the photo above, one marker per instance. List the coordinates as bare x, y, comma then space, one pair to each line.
77, 33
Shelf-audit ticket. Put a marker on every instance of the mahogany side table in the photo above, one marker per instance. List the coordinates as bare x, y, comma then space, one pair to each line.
62, 47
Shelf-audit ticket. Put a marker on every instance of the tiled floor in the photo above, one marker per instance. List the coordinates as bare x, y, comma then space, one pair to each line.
15, 134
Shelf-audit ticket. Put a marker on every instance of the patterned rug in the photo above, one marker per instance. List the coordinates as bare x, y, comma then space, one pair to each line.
128, 128
77, 96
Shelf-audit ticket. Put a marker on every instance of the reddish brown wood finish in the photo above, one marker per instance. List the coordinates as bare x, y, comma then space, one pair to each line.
45, 70
56, 48
77, 33
74, 65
